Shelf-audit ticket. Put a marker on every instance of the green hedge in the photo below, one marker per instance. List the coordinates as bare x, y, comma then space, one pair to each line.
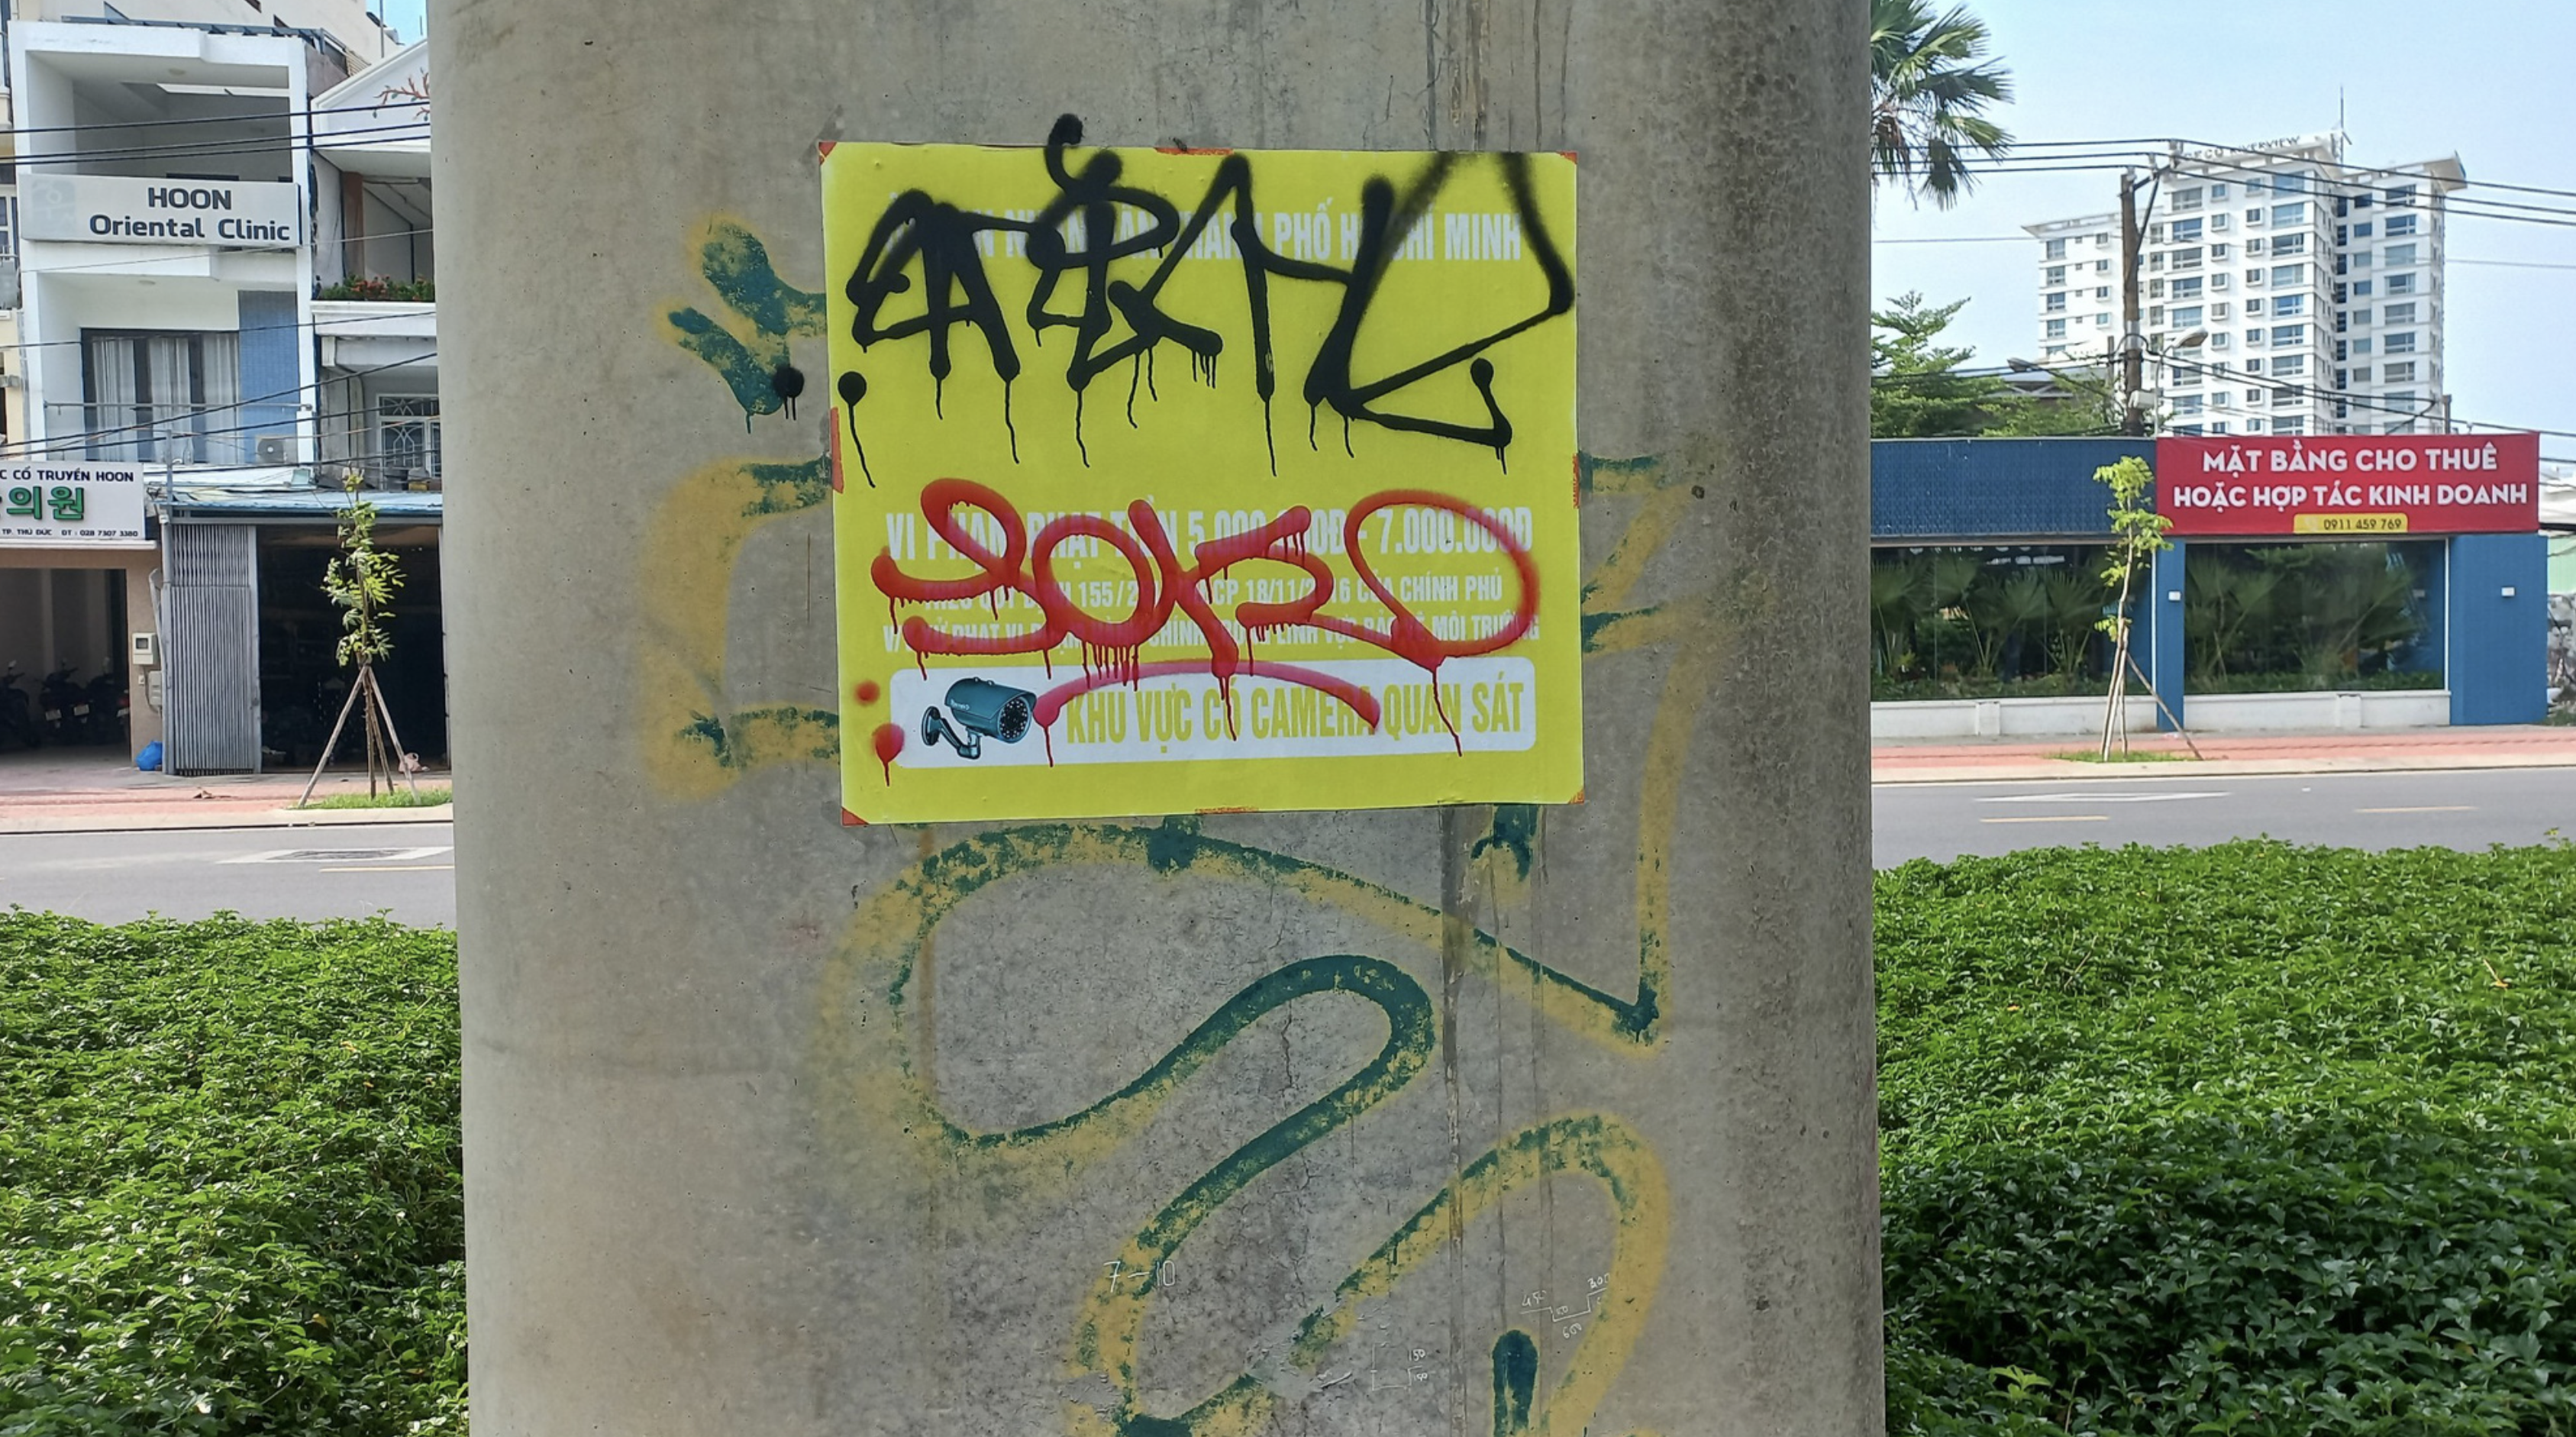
229, 1179
2251, 1139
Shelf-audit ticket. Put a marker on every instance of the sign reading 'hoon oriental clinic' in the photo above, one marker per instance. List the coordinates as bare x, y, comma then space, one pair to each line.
2349, 484
121, 209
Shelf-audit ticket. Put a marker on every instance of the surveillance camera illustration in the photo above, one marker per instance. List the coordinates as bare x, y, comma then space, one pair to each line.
984, 709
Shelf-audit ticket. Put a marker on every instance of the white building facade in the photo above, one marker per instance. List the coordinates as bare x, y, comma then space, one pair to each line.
2284, 290
224, 267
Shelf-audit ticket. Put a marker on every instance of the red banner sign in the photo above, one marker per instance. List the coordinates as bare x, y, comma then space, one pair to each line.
2350, 484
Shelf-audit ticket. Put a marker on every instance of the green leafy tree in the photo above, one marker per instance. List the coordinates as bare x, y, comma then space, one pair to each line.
1917, 389
2137, 536
1921, 388
361, 580
1928, 94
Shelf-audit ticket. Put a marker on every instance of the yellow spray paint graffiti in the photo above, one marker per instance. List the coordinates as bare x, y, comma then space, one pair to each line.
699, 738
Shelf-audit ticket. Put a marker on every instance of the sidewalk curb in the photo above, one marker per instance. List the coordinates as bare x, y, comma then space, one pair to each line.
2036, 770
167, 822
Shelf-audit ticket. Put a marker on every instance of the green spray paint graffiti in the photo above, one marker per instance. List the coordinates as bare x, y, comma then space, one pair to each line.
866, 1068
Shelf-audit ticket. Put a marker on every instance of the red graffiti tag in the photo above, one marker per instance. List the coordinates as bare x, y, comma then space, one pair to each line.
1111, 644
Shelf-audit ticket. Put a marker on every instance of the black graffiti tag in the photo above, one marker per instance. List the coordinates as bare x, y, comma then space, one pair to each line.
945, 243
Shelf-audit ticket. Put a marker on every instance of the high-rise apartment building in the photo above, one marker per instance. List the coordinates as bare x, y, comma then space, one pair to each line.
2282, 290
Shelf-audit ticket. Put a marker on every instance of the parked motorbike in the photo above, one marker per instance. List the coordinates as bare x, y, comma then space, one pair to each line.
64, 706
18, 725
110, 708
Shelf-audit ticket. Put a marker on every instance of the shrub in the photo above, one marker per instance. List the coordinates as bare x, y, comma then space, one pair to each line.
2250, 1139
230, 1191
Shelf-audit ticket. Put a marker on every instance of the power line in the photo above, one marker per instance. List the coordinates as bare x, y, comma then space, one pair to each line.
220, 148
404, 103
139, 432
242, 249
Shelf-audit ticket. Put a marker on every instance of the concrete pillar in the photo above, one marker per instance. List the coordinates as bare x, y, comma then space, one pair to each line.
1565, 1112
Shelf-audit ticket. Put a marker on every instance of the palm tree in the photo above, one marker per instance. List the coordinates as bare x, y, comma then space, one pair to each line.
1928, 96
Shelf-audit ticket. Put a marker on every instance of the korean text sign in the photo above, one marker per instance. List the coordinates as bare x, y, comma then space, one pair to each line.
1175, 481
2350, 484
65, 505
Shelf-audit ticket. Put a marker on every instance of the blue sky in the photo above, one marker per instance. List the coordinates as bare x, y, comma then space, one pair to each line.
2478, 79
404, 16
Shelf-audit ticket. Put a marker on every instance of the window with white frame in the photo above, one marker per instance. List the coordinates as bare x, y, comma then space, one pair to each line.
2186, 231
2290, 364
2289, 244
2220, 311
2398, 343
2187, 316
2101, 266
2056, 329
2289, 304
2399, 254
2293, 213
2398, 373
2053, 249
2187, 288
2056, 275
2289, 274
2400, 225
407, 439
2399, 313
2400, 284
159, 395
2361, 375
2055, 303
2290, 424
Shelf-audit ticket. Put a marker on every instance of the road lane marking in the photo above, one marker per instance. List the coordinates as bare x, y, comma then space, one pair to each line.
2425, 808
2052, 818
2098, 797
346, 855
398, 868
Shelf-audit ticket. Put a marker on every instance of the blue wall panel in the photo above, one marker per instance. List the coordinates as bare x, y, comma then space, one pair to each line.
2499, 613
2158, 639
1964, 489
272, 380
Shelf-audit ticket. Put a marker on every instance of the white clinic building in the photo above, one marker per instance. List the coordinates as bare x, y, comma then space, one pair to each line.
222, 260
2284, 290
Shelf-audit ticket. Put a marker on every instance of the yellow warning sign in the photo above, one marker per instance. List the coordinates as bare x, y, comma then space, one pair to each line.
1174, 481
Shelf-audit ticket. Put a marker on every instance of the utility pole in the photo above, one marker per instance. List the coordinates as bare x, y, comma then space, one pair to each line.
2133, 416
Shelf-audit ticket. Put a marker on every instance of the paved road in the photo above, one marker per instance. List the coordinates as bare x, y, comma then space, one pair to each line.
2459, 809
350, 871
408, 870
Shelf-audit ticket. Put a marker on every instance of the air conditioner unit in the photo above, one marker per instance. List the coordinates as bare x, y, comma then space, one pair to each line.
277, 449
